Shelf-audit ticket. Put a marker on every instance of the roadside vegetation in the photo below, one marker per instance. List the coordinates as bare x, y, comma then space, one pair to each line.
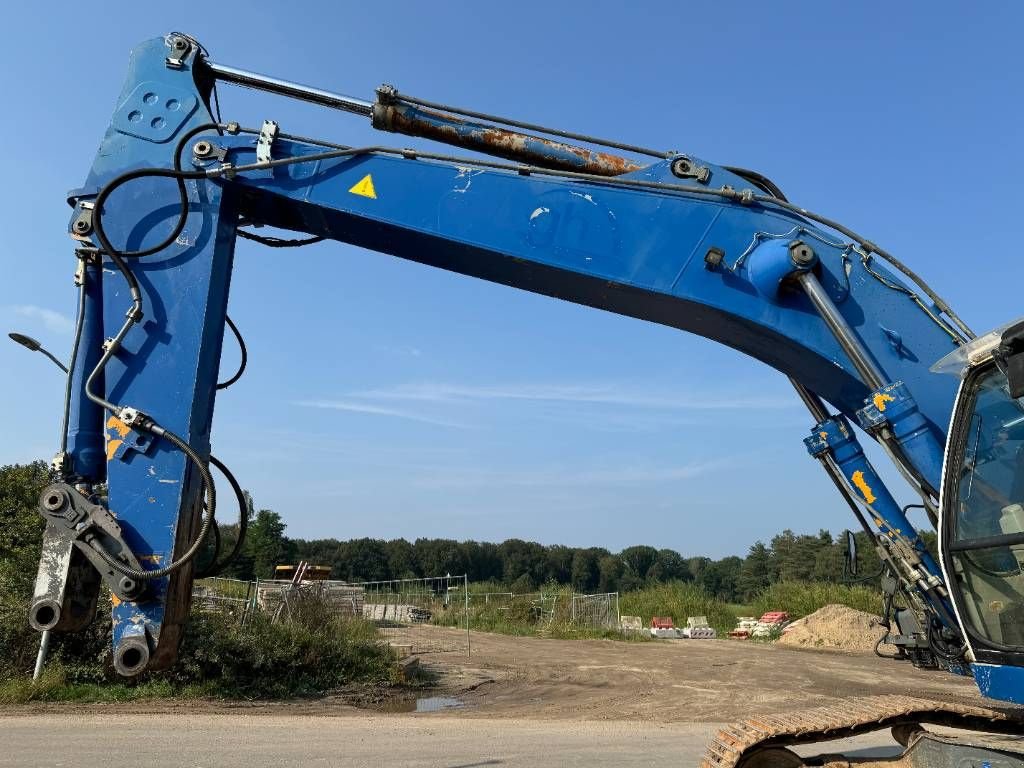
548, 612
316, 652
319, 651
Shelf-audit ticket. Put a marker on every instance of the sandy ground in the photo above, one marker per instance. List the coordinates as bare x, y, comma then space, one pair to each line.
527, 702
673, 680
665, 681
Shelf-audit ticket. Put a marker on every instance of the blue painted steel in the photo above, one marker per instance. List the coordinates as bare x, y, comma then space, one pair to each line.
768, 265
836, 435
85, 422
895, 406
168, 364
155, 110
635, 251
1004, 683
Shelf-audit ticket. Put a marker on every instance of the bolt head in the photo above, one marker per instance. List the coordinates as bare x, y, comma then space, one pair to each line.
801, 253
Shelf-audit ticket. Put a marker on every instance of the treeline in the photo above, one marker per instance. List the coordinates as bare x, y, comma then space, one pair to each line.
524, 566
517, 565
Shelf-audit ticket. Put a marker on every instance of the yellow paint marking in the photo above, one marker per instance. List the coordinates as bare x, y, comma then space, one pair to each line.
151, 558
823, 435
118, 426
114, 600
881, 399
858, 480
112, 446
364, 188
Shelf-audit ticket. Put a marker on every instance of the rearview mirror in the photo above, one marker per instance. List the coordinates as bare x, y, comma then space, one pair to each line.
1011, 353
851, 554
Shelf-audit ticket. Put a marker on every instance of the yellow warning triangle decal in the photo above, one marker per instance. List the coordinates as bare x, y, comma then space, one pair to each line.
364, 187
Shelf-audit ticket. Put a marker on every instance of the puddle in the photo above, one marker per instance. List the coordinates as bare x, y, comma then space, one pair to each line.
428, 704
437, 703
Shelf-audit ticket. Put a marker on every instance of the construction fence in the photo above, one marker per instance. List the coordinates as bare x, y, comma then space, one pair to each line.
416, 616
428, 615
558, 607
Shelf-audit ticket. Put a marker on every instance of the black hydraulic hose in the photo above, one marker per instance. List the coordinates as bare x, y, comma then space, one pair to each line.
242, 351
193, 550
243, 520
76, 344
759, 180
134, 315
208, 570
278, 242
176, 173
744, 197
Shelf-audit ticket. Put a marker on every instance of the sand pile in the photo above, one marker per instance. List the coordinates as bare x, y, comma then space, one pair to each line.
835, 626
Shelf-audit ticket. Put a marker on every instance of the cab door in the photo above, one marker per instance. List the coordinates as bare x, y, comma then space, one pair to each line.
981, 532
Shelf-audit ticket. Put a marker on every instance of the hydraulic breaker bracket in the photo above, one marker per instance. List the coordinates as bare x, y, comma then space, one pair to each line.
71, 566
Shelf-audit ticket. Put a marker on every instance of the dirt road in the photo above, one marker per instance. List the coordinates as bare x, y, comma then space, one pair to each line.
359, 741
671, 681
526, 702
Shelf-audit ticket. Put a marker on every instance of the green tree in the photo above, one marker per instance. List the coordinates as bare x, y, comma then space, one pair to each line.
401, 559
637, 562
22, 526
266, 543
368, 560
522, 558
438, 557
558, 564
757, 572
669, 566
586, 569
609, 574
21, 533
720, 578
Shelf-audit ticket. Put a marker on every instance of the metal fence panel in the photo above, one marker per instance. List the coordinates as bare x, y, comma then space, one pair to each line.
428, 615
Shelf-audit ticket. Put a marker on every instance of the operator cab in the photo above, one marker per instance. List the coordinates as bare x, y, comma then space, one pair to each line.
982, 507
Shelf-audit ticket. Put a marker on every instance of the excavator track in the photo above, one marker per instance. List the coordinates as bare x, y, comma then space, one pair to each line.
738, 741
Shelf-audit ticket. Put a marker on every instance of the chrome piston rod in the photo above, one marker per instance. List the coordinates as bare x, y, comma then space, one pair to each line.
260, 82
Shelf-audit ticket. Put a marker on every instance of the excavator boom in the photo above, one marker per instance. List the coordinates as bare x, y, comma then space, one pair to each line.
669, 239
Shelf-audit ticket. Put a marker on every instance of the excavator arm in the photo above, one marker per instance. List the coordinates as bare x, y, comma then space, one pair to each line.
672, 239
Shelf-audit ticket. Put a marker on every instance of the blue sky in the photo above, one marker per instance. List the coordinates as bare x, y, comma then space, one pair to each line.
430, 404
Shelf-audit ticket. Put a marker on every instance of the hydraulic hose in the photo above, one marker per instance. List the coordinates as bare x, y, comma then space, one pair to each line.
243, 522
76, 344
242, 363
193, 550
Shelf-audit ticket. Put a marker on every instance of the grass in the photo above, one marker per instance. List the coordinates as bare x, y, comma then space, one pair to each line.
547, 612
54, 686
678, 600
315, 653
522, 615
803, 598
319, 652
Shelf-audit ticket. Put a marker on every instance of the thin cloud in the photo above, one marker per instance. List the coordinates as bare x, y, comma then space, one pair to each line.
51, 320
375, 410
439, 479
617, 395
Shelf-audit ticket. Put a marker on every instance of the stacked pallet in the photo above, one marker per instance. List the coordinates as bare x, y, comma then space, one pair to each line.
396, 613
344, 599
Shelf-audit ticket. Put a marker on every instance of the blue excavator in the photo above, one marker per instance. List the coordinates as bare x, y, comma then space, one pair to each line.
870, 348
